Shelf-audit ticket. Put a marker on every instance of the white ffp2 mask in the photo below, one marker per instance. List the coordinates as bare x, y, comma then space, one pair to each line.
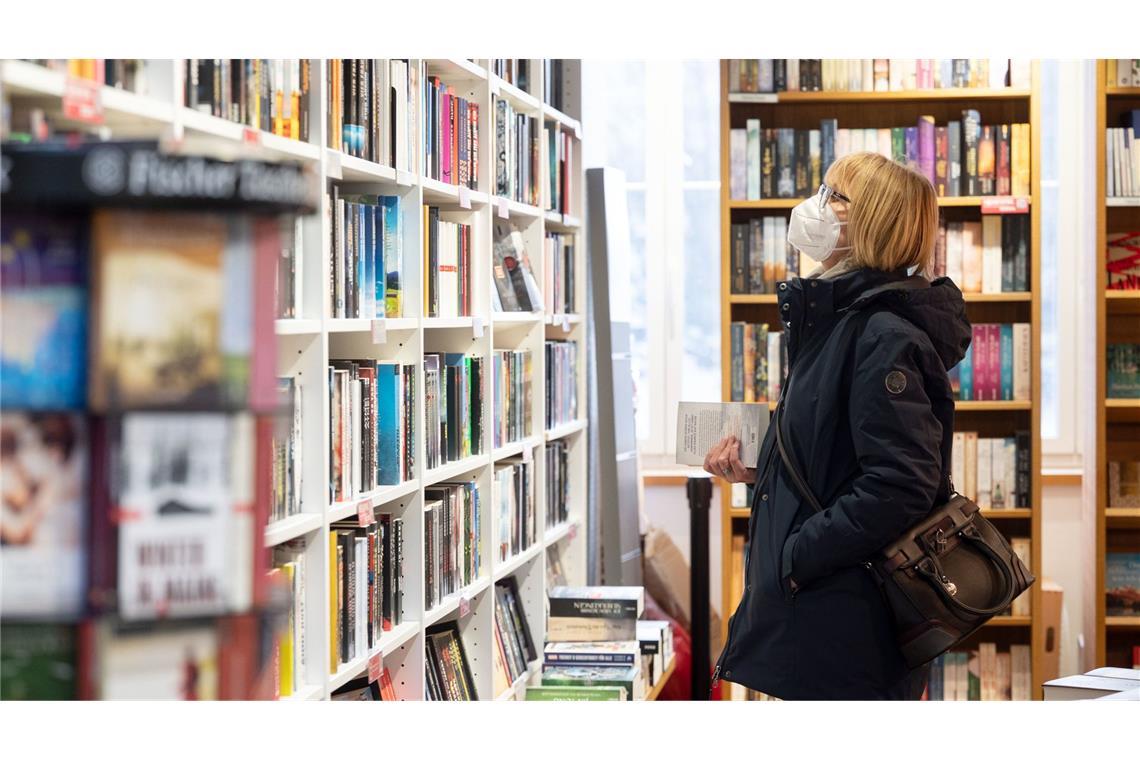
814, 229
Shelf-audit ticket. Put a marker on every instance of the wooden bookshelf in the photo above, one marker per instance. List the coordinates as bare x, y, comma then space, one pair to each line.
655, 692
1117, 420
887, 109
306, 344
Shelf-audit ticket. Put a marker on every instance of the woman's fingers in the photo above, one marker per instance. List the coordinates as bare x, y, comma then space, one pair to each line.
724, 460
710, 458
738, 468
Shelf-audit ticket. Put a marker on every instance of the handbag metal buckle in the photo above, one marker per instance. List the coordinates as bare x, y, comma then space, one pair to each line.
940, 541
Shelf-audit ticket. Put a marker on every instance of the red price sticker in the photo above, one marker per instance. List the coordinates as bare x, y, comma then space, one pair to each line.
82, 101
464, 607
573, 532
364, 513
464, 197
504, 209
251, 136
375, 665
1005, 204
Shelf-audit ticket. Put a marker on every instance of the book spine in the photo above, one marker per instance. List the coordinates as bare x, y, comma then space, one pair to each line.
941, 161
1006, 362
926, 148
971, 133
1021, 339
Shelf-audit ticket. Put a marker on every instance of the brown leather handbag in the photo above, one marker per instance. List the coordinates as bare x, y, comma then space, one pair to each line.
943, 578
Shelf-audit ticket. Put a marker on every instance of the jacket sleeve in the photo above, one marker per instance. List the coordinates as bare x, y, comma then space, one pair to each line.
897, 442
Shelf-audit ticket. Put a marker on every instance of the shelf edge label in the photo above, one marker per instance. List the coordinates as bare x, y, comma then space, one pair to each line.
504, 209
477, 327
364, 513
379, 331
82, 101
464, 606
1005, 204
464, 197
335, 169
375, 664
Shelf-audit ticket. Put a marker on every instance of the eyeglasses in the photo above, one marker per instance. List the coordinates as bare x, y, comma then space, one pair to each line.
826, 193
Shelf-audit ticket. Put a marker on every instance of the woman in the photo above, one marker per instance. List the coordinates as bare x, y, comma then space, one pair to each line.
867, 415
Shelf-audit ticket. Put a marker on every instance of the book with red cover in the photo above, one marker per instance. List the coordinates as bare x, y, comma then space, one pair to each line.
1003, 160
993, 373
980, 353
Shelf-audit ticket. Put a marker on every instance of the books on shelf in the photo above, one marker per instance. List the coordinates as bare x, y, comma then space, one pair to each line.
575, 694
453, 407
592, 653
453, 554
515, 286
750, 75
447, 265
987, 256
557, 483
290, 645
594, 613
961, 158
183, 663
371, 436
982, 674
1122, 154
1123, 260
45, 504
514, 645
1123, 369
43, 312
655, 640
628, 677
371, 110
514, 71
39, 660
996, 366
1023, 547
263, 93
512, 376
288, 448
448, 674
512, 494
365, 256
559, 148
555, 572
758, 362
1122, 584
558, 273
366, 569
992, 472
762, 257
553, 91
517, 153
1123, 72
362, 690
1124, 484
130, 74
289, 268
561, 382
451, 135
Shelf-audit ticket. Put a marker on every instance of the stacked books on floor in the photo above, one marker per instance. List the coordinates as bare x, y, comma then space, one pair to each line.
561, 382
560, 163
961, 158
751, 75
762, 257
448, 672
453, 557
371, 444
372, 110
993, 472
557, 483
558, 273
287, 450
514, 646
1123, 260
366, 582
447, 266
1123, 365
453, 407
592, 647
758, 362
1122, 145
1122, 584
451, 139
365, 256
289, 655
982, 674
516, 165
516, 288
267, 94
996, 365
513, 495
511, 373
988, 256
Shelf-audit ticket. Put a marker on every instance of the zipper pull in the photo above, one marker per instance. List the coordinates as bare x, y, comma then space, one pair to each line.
715, 680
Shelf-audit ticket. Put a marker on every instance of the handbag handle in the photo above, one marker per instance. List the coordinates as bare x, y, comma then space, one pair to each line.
938, 580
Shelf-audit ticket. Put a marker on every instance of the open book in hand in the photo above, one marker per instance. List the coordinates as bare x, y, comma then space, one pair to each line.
701, 425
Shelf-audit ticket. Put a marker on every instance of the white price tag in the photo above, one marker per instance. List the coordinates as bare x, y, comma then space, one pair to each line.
464, 197
527, 452
577, 131
464, 607
335, 170
477, 327
379, 331
504, 209
565, 323
403, 177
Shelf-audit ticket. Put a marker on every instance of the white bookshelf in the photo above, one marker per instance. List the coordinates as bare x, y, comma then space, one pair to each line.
306, 344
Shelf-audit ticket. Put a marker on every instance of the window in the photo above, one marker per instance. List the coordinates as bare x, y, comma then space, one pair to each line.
659, 122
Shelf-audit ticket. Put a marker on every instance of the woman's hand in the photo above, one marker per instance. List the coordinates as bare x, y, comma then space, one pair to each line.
723, 460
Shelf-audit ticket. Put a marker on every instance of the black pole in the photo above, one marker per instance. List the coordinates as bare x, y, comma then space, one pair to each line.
699, 491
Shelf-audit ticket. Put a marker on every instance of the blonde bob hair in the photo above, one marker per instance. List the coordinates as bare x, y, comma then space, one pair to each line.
892, 219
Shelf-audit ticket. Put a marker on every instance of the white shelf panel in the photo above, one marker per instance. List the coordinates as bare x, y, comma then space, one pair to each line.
450, 603
562, 222
515, 448
511, 564
391, 640
1123, 201
524, 209
454, 469
561, 431
294, 526
449, 323
559, 532
571, 125
516, 317
381, 496
213, 126
563, 319
347, 672
451, 69
519, 100
307, 693
357, 324
512, 691
30, 80
297, 327
442, 193
356, 169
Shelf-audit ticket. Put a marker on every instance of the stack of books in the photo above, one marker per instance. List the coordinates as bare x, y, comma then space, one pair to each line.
1123, 159
453, 557
592, 643
996, 365
265, 94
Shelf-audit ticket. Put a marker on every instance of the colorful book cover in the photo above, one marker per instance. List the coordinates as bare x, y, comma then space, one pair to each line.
752, 171
981, 354
605, 653
986, 161
1122, 584
993, 368
388, 392
966, 373
393, 257
629, 678
575, 694
926, 148
1006, 353
39, 661
941, 161
910, 139
43, 311
785, 163
954, 158
1123, 370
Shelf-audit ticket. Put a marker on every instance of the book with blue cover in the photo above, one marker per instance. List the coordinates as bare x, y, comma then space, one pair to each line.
388, 397
1006, 362
393, 257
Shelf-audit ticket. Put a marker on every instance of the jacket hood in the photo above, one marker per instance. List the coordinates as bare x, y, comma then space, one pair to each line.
937, 308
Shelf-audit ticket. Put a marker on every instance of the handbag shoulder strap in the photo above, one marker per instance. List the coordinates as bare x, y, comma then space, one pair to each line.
789, 463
